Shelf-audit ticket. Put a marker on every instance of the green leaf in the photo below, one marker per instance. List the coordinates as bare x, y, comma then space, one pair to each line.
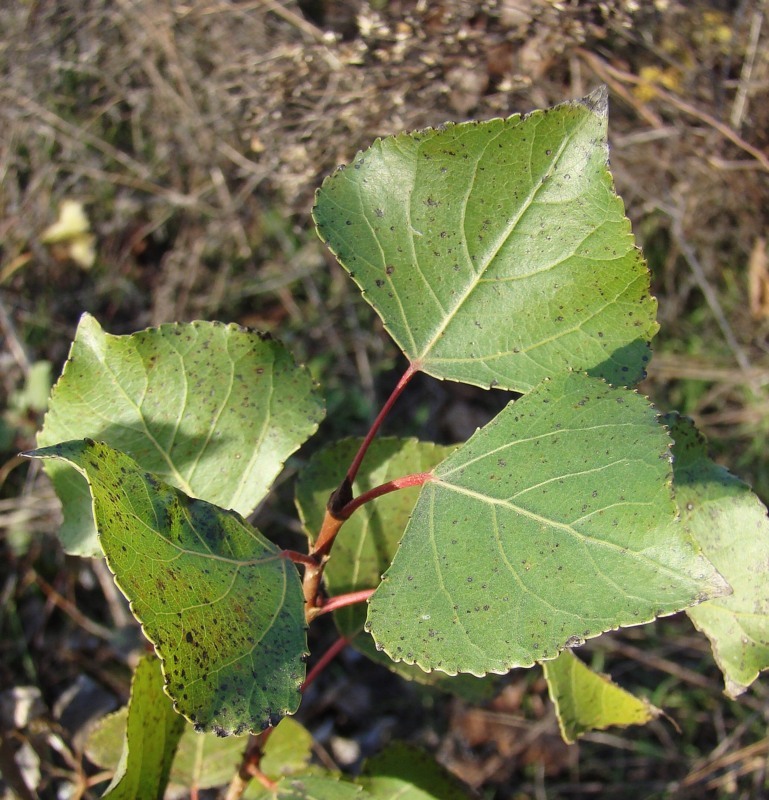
288, 750
204, 761
730, 524
152, 732
497, 253
406, 773
212, 409
104, 744
552, 524
585, 700
309, 787
223, 609
367, 542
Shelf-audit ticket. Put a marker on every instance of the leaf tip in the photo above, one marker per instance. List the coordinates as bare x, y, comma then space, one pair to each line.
597, 101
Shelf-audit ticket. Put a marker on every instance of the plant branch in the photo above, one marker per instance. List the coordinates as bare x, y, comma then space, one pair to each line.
342, 600
341, 504
315, 563
396, 393
330, 654
249, 767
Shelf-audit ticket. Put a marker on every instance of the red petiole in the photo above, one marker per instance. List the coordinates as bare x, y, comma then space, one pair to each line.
352, 472
342, 600
416, 479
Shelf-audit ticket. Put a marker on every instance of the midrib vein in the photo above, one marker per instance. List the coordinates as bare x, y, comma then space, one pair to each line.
503, 237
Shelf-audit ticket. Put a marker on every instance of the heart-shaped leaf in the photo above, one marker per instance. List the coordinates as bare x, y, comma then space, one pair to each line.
586, 701
497, 253
552, 524
223, 609
730, 524
212, 409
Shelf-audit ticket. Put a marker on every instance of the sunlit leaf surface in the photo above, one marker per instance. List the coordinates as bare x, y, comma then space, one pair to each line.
212, 409
497, 253
552, 524
585, 700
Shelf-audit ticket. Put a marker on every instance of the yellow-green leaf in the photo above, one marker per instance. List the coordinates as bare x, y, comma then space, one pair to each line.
586, 700
152, 733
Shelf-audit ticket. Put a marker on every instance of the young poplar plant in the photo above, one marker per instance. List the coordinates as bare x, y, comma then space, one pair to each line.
497, 254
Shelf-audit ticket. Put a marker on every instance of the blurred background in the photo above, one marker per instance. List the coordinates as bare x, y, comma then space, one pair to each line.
158, 162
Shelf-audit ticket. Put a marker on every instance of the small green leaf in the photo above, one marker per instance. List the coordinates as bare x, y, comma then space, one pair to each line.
585, 700
288, 750
406, 773
152, 732
730, 524
497, 253
367, 542
553, 524
212, 409
308, 787
104, 744
204, 761
223, 609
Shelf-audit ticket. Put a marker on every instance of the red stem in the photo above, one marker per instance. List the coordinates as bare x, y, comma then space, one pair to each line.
330, 654
342, 600
396, 393
416, 479
298, 558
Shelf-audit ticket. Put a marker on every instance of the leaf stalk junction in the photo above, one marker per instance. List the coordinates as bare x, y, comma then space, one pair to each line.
340, 507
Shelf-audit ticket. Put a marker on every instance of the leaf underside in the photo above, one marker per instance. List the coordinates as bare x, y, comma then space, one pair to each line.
730, 524
553, 524
223, 609
497, 253
212, 409
585, 700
